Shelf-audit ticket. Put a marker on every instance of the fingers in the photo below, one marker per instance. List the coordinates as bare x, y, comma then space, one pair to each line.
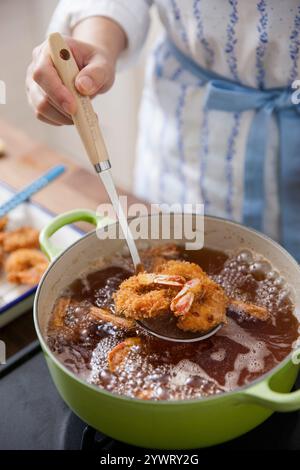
45, 75
45, 110
51, 100
96, 77
47, 121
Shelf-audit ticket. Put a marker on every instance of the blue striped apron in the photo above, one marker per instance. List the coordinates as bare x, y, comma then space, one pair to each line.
226, 95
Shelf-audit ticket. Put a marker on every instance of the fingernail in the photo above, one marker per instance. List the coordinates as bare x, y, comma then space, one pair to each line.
86, 84
67, 107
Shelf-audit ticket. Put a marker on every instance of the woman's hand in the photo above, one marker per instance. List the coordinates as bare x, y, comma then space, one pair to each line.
96, 59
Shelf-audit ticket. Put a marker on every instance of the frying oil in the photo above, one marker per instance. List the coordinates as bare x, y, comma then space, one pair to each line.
239, 353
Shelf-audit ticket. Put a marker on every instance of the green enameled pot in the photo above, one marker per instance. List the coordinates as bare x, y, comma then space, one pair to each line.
166, 424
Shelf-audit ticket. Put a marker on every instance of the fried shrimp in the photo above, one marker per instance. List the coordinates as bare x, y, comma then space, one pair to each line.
1, 255
106, 316
252, 310
148, 295
139, 298
25, 266
184, 289
23, 237
3, 223
201, 303
59, 313
119, 353
184, 269
202, 313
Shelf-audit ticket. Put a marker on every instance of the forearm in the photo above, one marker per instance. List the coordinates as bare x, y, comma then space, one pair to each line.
103, 33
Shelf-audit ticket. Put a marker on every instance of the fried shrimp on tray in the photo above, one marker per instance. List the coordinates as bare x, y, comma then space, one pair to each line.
1, 256
183, 289
23, 237
25, 266
3, 222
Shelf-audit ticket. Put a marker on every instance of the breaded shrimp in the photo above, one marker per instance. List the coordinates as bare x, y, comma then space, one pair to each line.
186, 290
135, 299
1, 255
181, 268
58, 322
23, 237
201, 304
106, 316
59, 312
3, 223
206, 312
252, 310
119, 353
148, 295
26, 266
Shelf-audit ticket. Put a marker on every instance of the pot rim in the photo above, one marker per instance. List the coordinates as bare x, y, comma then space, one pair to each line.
237, 391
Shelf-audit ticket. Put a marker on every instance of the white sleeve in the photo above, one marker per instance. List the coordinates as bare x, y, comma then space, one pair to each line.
132, 15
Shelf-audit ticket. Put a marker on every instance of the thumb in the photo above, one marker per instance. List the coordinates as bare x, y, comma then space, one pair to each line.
95, 77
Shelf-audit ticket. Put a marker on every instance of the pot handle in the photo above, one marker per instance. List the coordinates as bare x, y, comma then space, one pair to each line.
262, 393
78, 215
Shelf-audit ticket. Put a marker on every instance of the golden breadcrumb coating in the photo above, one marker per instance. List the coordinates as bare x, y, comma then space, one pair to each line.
25, 266
23, 237
3, 222
181, 288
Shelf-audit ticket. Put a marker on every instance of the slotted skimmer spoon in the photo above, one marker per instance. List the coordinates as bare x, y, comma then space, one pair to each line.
164, 327
87, 125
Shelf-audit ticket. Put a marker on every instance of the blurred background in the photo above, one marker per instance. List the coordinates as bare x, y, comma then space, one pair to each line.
23, 25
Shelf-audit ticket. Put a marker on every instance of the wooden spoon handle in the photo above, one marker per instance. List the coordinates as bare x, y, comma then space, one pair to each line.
85, 119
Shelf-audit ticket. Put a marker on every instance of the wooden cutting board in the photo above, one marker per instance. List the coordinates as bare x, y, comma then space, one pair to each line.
26, 159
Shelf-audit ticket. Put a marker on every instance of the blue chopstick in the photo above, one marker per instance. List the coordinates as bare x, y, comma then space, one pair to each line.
33, 188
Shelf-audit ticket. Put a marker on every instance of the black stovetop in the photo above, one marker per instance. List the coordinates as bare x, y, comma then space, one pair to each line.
33, 416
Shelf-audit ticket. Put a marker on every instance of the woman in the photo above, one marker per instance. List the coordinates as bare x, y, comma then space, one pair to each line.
217, 124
